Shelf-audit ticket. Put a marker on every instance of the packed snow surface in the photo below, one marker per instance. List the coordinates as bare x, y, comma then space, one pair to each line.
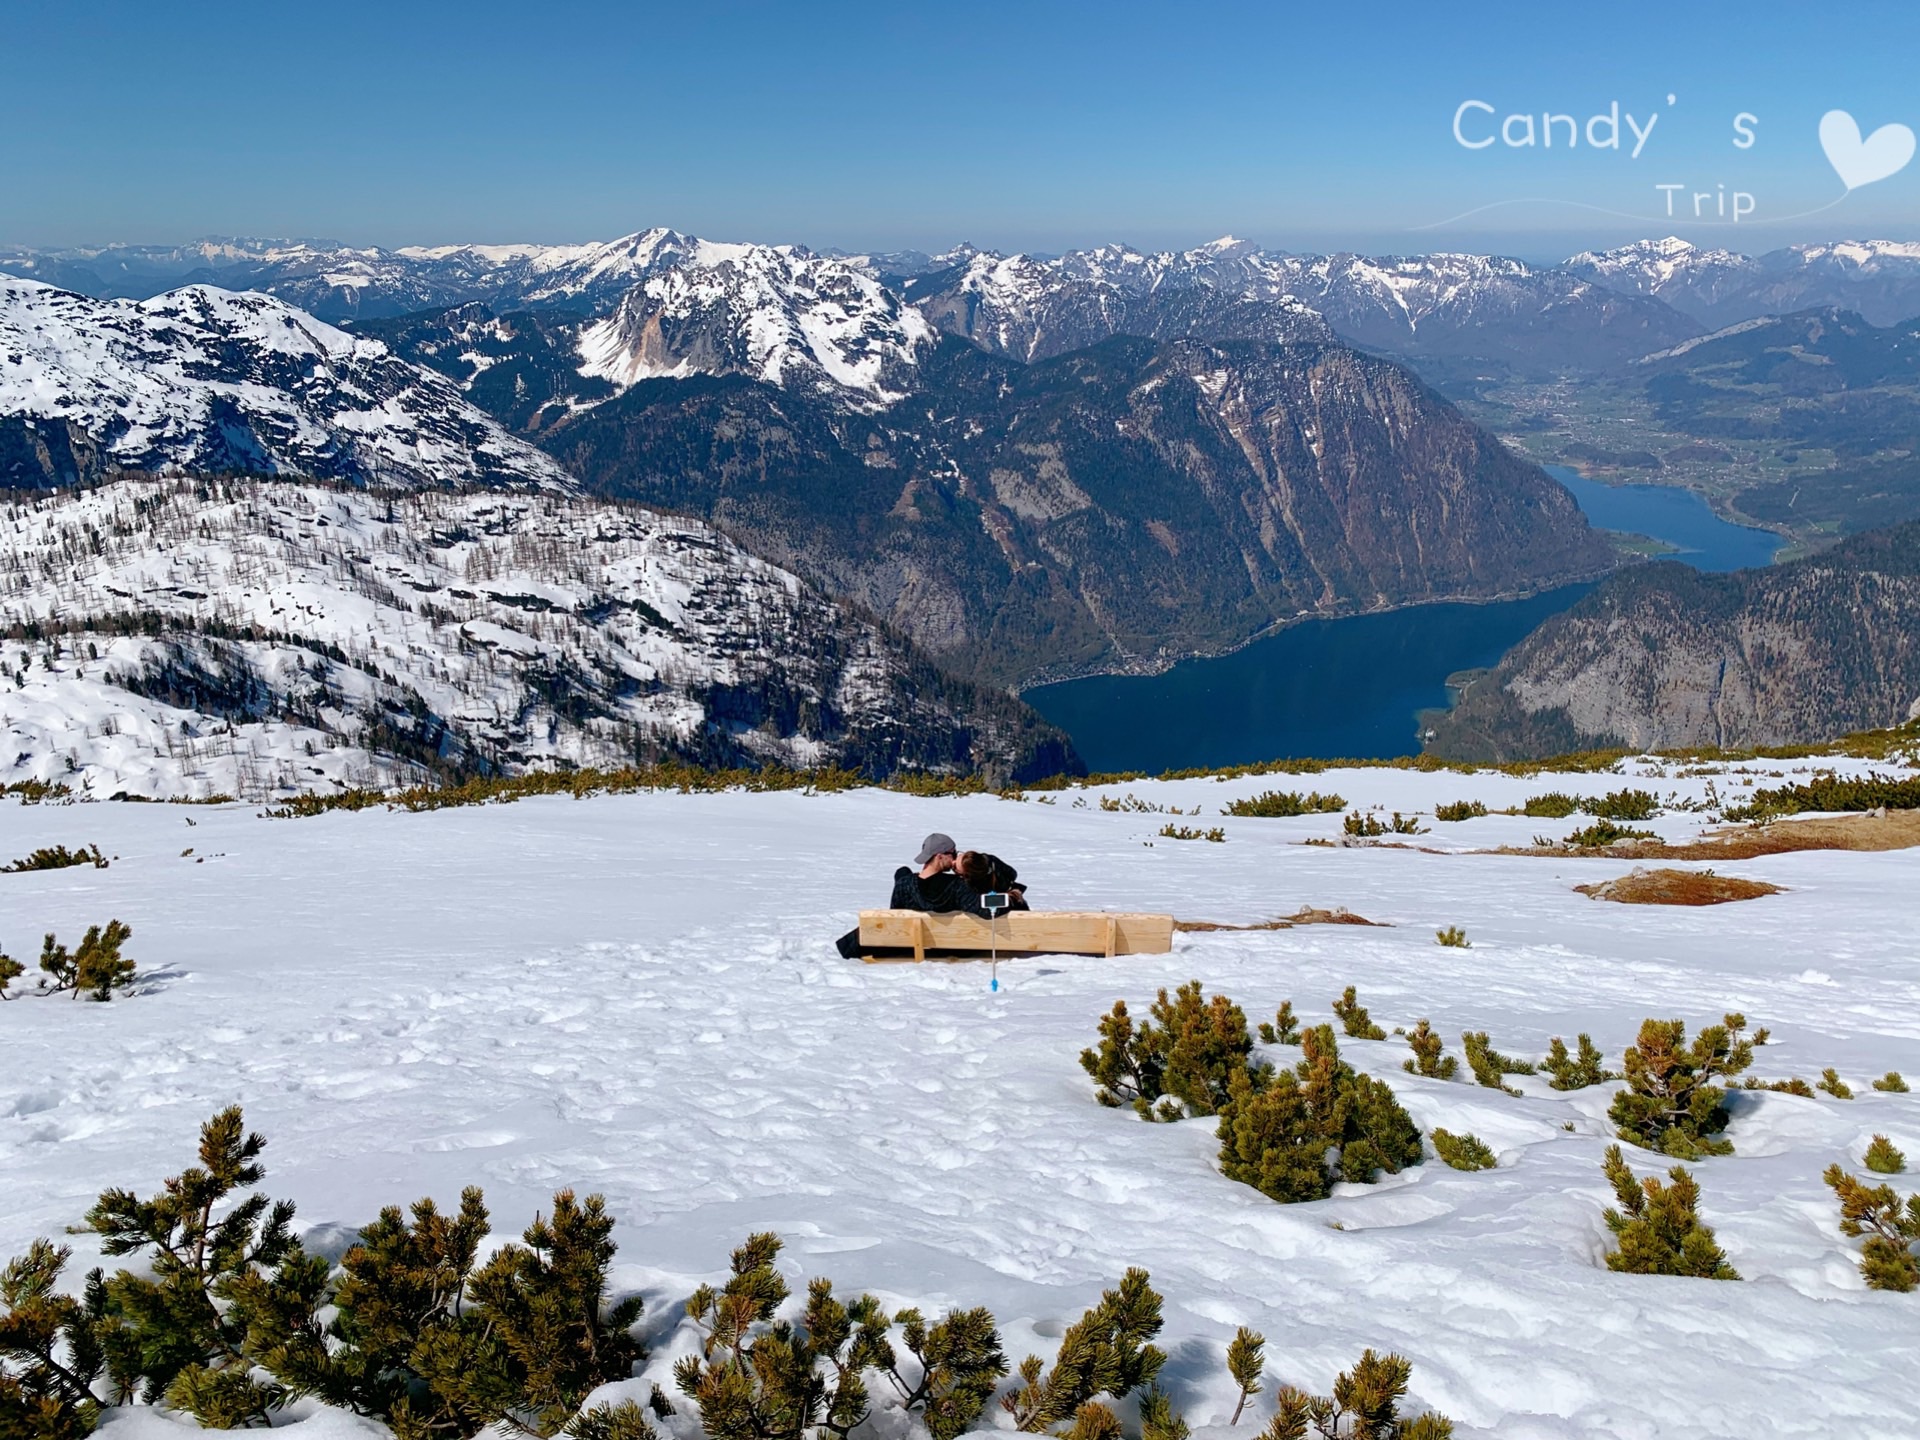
639, 996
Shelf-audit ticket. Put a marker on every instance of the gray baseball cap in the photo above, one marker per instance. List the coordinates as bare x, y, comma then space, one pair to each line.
935, 844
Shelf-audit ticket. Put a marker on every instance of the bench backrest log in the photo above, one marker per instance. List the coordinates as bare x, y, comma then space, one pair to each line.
1031, 932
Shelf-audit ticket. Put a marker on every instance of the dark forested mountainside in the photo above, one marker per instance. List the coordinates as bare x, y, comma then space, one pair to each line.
1663, 655
1118, 507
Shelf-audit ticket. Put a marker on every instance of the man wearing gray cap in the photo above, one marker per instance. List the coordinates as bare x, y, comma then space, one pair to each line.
935, 886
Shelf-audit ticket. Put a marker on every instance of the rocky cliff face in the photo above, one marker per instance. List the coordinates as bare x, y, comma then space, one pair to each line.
1665, 656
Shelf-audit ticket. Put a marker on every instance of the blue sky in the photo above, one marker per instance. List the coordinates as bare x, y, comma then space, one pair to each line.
1034, 125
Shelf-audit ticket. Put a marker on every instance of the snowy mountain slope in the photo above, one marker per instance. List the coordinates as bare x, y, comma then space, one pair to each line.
1879, 279
183, 637
776, 313
637, 996
208, 380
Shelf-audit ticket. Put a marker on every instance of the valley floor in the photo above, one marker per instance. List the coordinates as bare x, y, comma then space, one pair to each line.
639, 995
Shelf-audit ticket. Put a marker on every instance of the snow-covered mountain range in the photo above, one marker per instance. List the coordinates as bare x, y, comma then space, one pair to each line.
203, 379
1879, 279
223, 636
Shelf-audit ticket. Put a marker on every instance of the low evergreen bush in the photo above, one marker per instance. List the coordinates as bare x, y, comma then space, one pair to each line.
1891, 1083
1459, 810
1831, 1082
1283, 1138
1180, 1061
1658, 1225
1489, 1066
1107, 1351
756, 1378
1793, 1085
1832, 793
1354, 1019
1285, 804
1603, 833
95, 970
1367, 824
1453, 937
1246, 1360
1578, 1071
1463, 1151
1626, 804
1554, 805
1365, 1405
57, 857
1887, 1260
960, 1363
1427, 1058
1884, 1157
1675, 1098
1284, 1029
1170, 831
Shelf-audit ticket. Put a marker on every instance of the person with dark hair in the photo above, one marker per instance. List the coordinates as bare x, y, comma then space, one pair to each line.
986, 873
932, 883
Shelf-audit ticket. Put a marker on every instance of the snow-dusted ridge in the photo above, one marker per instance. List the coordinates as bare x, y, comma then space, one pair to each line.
260, 639
203, 379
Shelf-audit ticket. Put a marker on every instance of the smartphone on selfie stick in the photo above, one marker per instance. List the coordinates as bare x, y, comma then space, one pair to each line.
996, 903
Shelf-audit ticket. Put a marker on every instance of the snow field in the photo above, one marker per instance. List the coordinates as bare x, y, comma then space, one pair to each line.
638, 995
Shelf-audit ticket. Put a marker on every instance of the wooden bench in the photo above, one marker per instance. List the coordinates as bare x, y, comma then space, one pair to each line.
959, 936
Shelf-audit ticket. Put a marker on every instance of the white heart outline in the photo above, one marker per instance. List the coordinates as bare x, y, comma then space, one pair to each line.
1863, 162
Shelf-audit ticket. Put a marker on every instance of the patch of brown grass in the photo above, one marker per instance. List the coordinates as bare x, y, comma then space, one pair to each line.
1307, 915
1677, 887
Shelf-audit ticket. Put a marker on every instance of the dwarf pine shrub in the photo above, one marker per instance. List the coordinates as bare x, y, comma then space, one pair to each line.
10, 970
1674, 1100
1884, 1157
1284, 1029
1107, 1351
1354, 1019
1363, 825
1792, 1085
1658, 1225
1427, 1059
1285, 804
1489, 1066
1453, 937
1831, 1082
1624, 805
1605, 832
1577, 1071
961, 1365
50, 1343
1554, 805
96, 969
1463, 1151
755, 1379
1891, 1083
1887, 1260
57, 857
1178, 1062
1365, 1405
1282, 1138
1246, 1361
1459, 810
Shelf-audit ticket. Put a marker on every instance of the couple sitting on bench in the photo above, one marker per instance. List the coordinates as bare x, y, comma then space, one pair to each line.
947, 879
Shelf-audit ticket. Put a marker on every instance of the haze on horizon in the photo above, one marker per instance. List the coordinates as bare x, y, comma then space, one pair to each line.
873, 127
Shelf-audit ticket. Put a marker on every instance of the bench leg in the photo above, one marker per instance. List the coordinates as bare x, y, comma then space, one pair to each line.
919, 940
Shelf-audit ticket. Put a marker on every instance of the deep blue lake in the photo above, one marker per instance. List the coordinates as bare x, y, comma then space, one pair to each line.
1328, 688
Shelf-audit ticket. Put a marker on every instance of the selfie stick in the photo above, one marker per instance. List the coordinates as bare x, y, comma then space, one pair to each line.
994, 902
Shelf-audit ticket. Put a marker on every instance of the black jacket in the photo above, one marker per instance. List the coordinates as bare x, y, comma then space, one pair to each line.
937, 894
